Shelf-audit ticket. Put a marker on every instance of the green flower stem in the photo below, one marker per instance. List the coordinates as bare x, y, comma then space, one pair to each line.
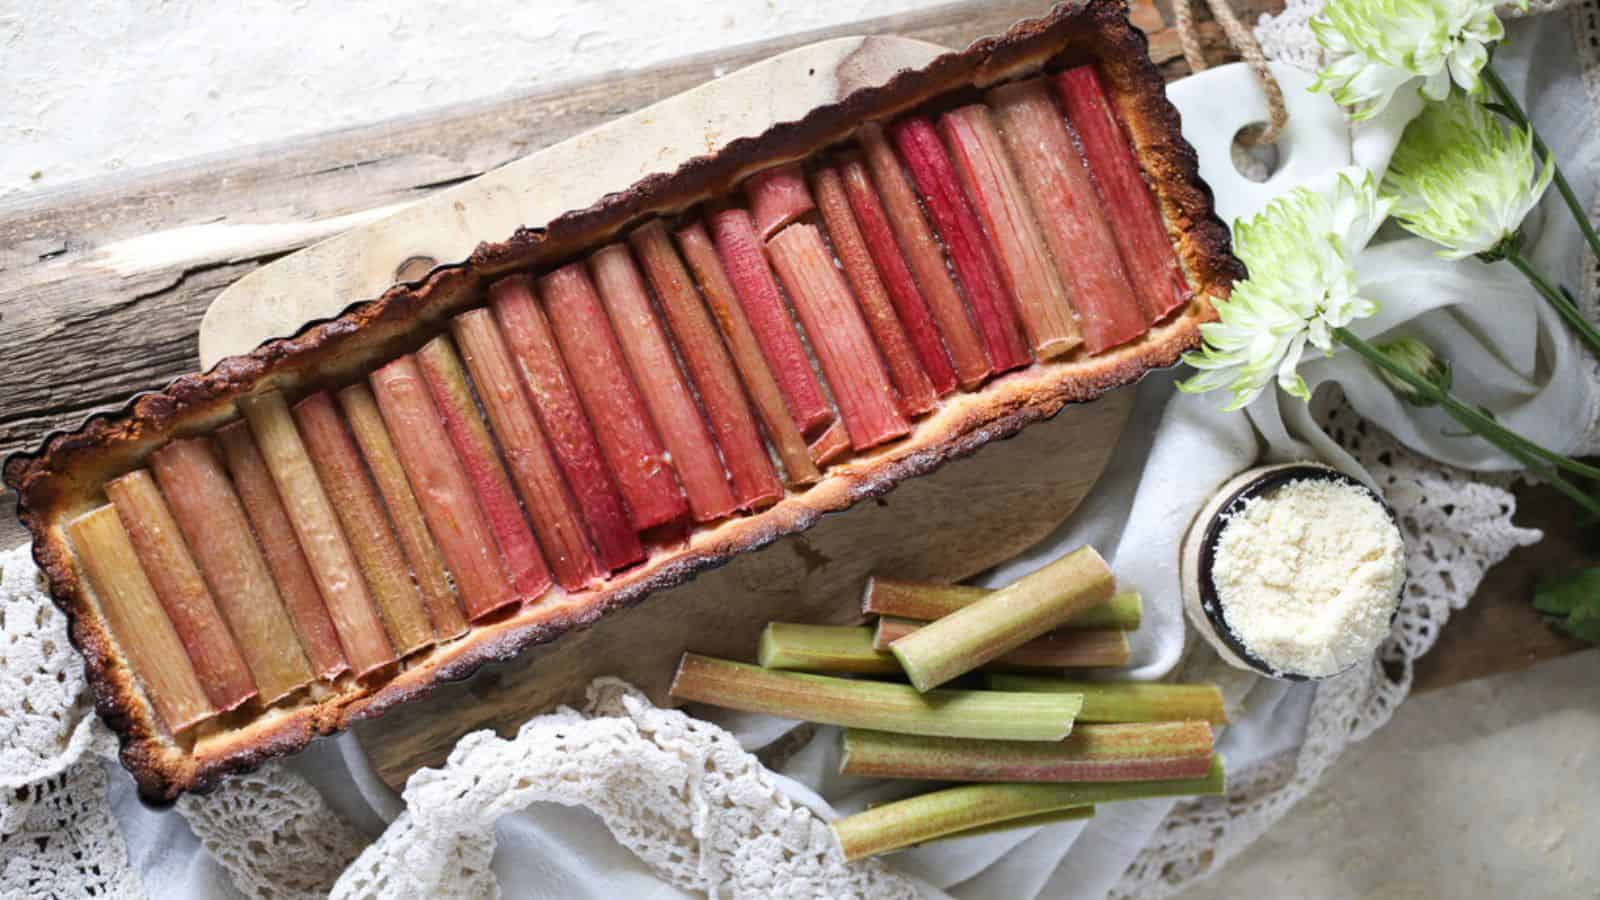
1556, 298
1539, 460
1509, 102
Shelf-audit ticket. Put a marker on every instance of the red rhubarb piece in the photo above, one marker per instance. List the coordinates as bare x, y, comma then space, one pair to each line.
1127, 200
739, 248
621, 423
1068, 210
953, 218
915, 390
555, 401
755, 482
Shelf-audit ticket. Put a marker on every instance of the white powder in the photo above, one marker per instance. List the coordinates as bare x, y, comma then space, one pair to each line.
1308, 575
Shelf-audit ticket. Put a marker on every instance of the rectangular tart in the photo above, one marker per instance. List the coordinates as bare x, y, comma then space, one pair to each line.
958, 193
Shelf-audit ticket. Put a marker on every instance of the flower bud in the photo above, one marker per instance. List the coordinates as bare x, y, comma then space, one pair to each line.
1419, 359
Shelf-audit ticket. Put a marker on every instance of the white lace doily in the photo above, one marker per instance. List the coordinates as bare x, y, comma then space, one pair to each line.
701, 812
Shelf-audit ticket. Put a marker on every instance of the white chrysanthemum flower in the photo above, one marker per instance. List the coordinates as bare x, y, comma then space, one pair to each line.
1302, 285
1464, 179
1376, 47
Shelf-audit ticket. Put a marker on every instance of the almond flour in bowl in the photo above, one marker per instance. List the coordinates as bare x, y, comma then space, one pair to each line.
1294, 571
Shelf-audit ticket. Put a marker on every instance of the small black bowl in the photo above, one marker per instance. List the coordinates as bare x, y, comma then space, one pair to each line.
1199, 551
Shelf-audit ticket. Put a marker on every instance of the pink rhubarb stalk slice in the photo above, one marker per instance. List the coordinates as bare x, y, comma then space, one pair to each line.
148, 640
1068, 211
925, 258
366, 525
1142, 752
533, 467
830, 445
1142, 237
441, 484
910, 381
218, 534
1024, 260
755, 481
925, 602
182, 591
898, 281
777, 197
383, 461
745, 349
555, 401
739, 248
595, 362
297, 584
666, 393
839, 336
344, 592
993, 308
452, 396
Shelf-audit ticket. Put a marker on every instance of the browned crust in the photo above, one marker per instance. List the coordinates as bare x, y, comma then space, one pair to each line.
63, 478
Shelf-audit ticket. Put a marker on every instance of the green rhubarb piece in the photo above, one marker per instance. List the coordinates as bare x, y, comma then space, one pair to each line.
1124, 701
872, 704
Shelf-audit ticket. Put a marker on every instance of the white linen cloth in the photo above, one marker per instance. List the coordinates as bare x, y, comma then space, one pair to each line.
1510, 353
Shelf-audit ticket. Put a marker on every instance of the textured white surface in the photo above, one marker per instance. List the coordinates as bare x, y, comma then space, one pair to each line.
97, 87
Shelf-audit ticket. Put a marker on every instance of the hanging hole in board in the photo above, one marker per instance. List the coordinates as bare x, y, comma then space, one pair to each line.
1256, 162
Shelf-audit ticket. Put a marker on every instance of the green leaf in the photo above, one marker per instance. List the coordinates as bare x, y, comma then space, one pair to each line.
1572, 603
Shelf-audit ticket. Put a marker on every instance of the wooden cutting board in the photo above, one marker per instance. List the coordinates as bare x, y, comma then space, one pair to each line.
970, 516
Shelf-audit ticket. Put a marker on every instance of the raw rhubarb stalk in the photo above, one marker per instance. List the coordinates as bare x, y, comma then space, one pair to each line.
178, 584
297, 585
1019, 248
823, 648
745, 350
1142, 752
538, 362
871, 704
777, 197
326, 548
452, 396
366, 524
1142, 237
925, 258
383, 461
550, 505
445, 494
147, 639
1070, 814
830, 445
838, 336
1068, 211
755, 481
595, 362
929, 816
993, 308
739, 249
666, 393
925, 602
890, 267
1057, 650
214, 526
1126, 701
1037, 603
912, 383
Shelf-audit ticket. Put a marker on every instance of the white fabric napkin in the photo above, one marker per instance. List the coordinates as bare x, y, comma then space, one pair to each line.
1510, 353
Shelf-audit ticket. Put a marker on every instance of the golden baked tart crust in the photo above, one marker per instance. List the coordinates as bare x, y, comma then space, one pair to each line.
64, 478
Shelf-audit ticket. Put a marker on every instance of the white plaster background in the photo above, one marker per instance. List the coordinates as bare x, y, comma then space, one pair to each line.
1483, 790
94, 87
